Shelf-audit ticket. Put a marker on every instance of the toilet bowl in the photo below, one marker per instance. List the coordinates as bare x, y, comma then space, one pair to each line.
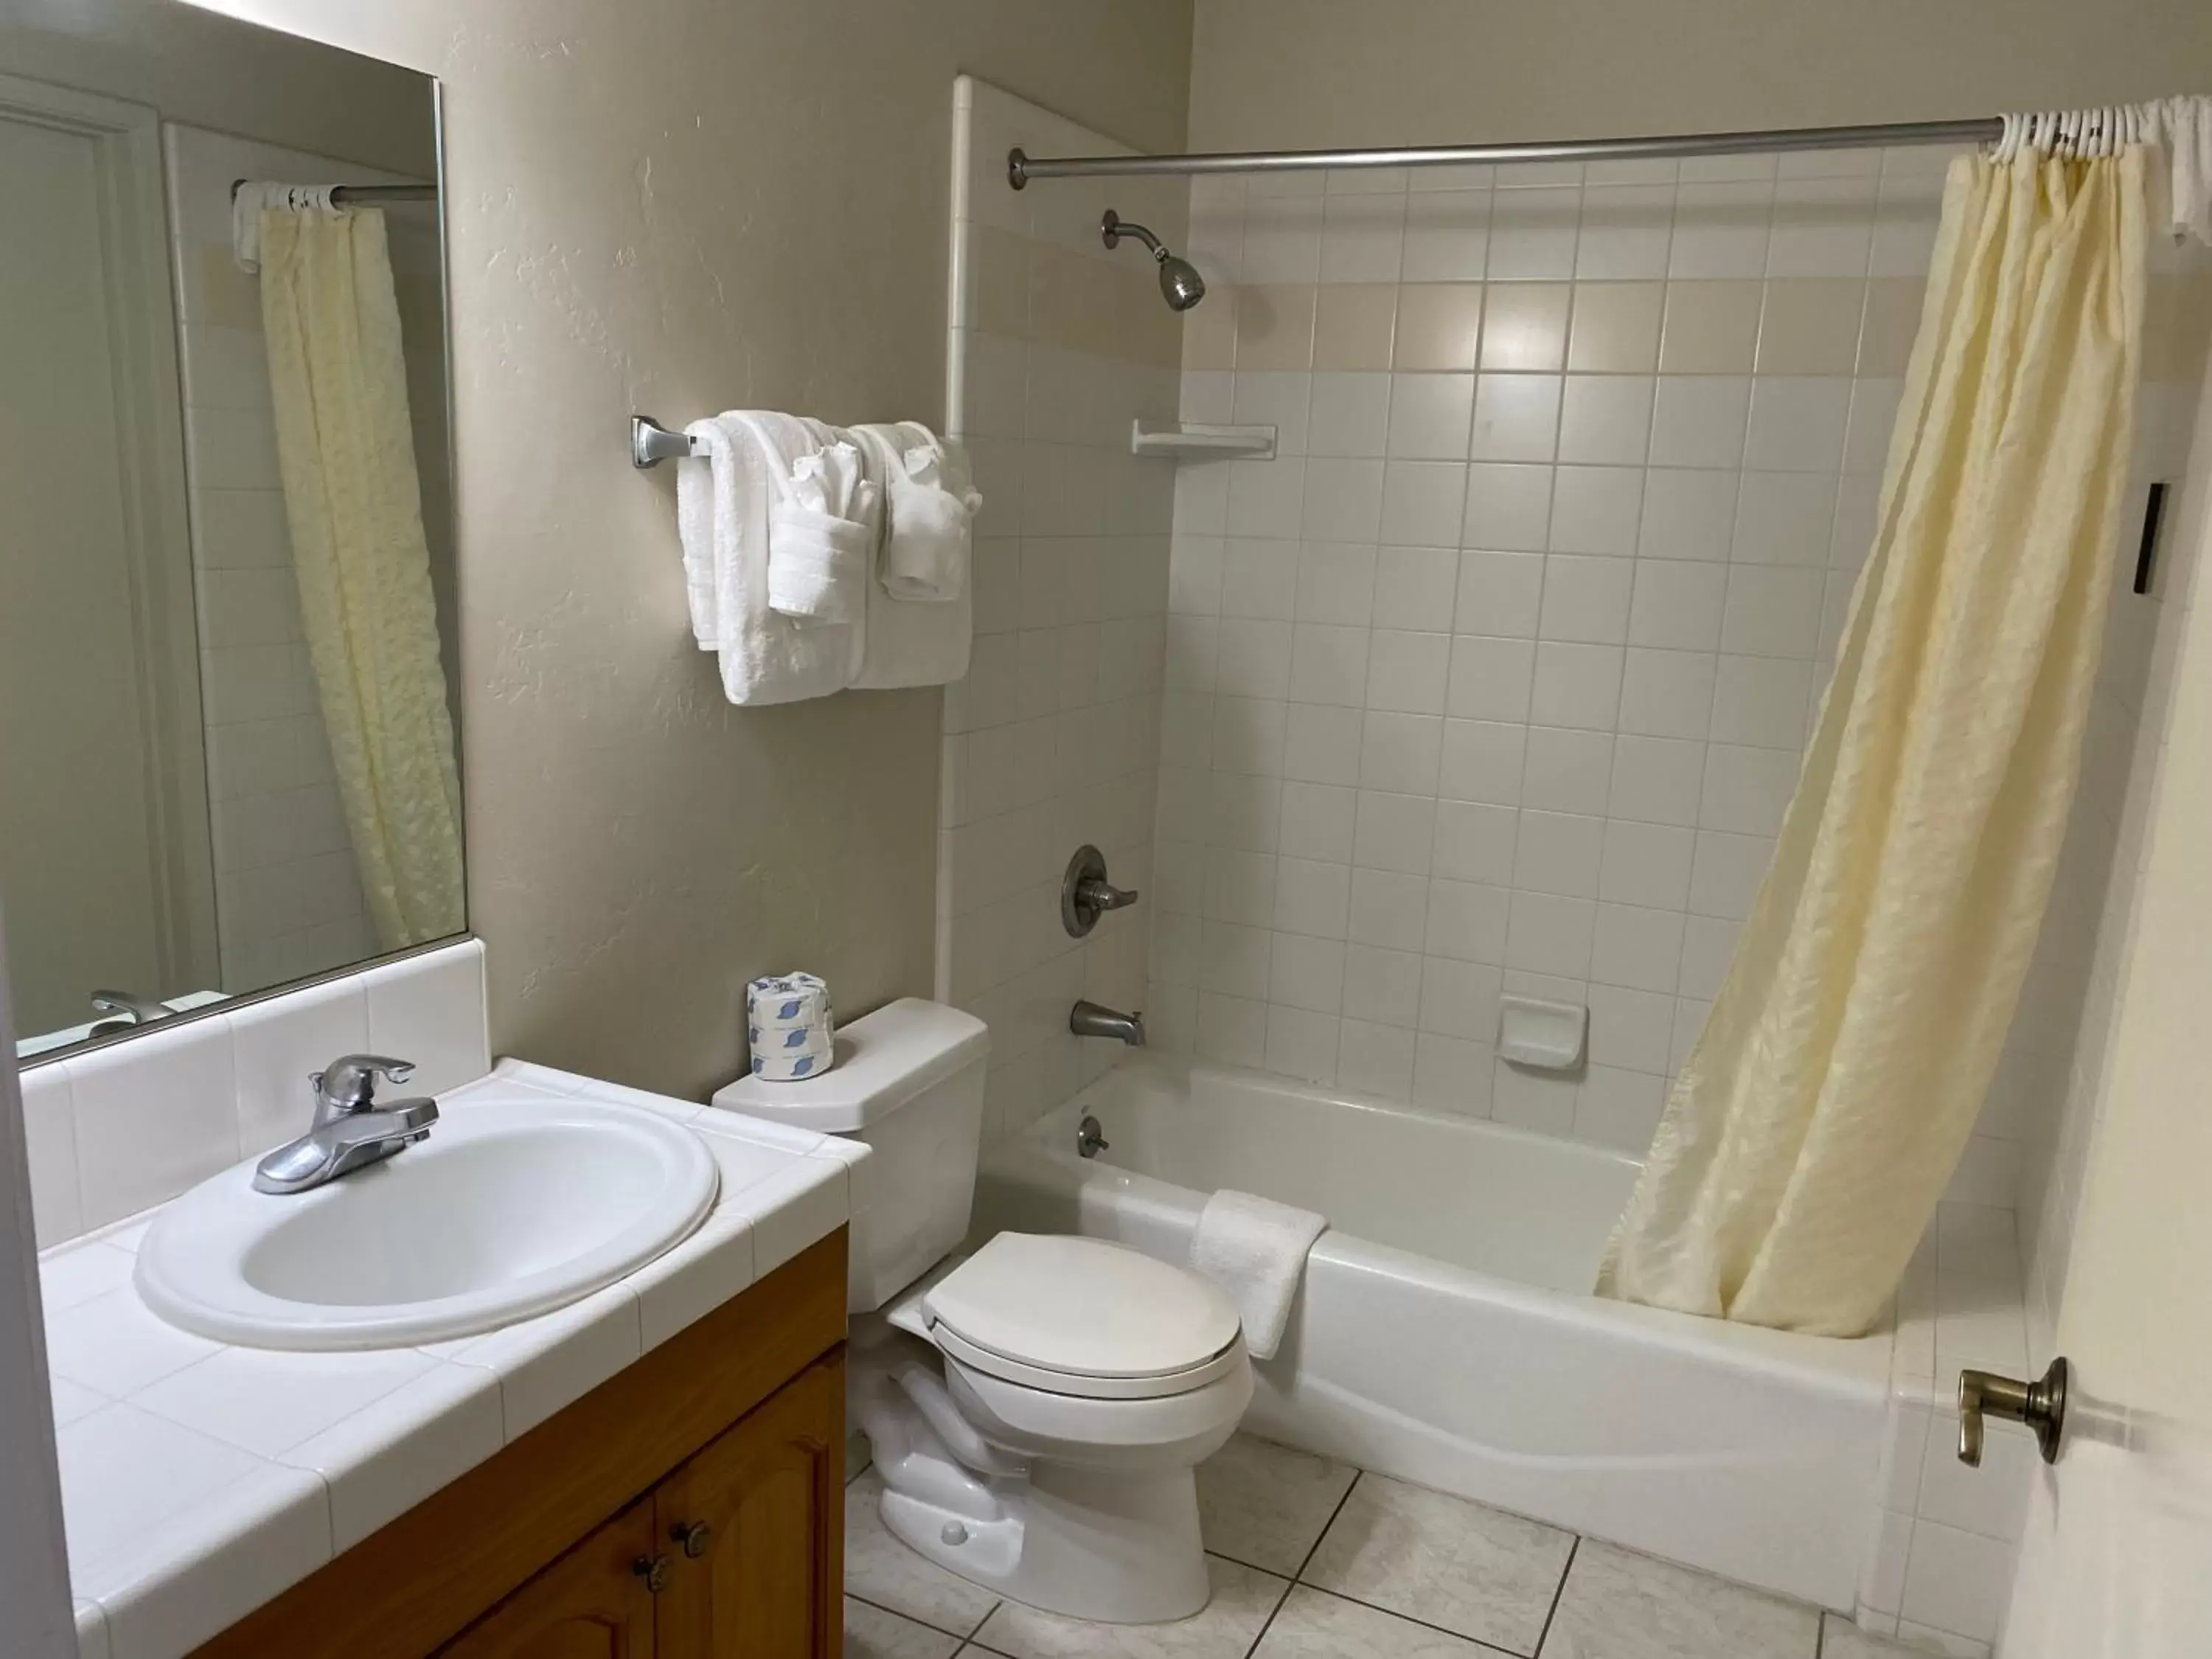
1038, 1409
1049, 1451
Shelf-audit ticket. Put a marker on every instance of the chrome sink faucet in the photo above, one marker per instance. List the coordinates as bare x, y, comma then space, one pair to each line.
349, 1128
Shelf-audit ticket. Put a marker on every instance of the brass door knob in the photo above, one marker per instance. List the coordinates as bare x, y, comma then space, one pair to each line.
654, 1568
693, 1536
2041, 1405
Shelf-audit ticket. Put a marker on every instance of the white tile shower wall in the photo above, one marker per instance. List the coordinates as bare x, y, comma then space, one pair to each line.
1052, 740
1499, 679
126, 1126
287, 897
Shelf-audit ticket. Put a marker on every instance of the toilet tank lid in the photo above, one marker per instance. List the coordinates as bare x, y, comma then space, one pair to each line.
883, 1061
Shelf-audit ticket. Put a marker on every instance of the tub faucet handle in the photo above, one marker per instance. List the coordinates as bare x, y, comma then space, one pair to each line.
2041, 1405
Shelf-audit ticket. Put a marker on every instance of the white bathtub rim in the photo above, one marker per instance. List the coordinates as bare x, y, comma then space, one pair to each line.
1851, 1367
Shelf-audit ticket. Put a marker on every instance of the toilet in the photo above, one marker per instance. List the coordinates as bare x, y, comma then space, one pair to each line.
1037, 1407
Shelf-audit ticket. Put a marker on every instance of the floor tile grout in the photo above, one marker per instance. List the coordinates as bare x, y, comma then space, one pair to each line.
1268, 1623
1558, 1591
1314, 1549
1409, 1618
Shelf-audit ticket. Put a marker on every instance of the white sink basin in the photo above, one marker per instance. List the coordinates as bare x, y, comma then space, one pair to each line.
511, 1208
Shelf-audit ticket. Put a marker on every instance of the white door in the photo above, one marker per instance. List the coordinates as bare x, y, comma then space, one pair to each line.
2117, 1559
95, 792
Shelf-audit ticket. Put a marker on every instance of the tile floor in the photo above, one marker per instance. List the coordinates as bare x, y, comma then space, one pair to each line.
1314, 1559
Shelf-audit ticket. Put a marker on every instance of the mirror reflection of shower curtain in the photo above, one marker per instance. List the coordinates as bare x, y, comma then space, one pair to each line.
1807, 1139
354, 504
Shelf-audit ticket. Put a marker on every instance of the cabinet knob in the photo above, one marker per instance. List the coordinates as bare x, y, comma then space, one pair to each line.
654, 1568
693, 1536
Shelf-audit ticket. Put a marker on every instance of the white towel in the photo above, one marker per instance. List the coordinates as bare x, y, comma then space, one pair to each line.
1255, 1250
2183, 127
726, 502
929, 507
709, 517
819, 538
912, 639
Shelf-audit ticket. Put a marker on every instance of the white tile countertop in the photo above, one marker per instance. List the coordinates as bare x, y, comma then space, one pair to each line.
200, 1480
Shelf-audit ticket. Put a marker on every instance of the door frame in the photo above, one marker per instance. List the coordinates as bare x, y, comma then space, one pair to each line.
126, 140
34, 1585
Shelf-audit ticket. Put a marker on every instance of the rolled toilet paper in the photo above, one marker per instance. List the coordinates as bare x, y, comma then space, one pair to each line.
780, 1000
791, 1027
785, 1056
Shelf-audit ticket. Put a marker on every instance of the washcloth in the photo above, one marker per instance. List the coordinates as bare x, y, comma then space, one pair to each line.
929, 509
1255, 1250
921, 622
819, 538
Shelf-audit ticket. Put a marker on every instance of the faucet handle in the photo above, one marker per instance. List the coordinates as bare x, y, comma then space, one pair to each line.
348, 1083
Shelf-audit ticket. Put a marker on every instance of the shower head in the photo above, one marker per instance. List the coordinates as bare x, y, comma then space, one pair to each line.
1181, 285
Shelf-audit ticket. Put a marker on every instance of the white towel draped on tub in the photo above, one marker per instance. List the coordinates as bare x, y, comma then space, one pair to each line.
1255, 1250
727, 507
921, 615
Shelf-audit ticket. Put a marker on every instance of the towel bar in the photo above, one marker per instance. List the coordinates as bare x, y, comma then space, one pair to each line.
652, 443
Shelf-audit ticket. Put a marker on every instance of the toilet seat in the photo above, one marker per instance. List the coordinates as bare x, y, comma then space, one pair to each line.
1084, 1317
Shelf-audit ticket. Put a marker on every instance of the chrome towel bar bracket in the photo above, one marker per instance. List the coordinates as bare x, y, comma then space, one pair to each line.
652, 443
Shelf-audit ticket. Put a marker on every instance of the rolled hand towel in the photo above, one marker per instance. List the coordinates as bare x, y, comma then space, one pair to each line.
819, 538
1255, 1250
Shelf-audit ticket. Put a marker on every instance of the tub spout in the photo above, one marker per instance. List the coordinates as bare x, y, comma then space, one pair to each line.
1087, 1018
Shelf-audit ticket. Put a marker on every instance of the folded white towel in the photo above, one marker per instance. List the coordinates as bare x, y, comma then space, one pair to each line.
921, 622
709, 517
929, 507
819, 537
766, 656
1255, 1250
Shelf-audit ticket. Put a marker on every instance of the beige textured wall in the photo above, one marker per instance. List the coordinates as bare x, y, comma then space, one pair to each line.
1316, 73
678, 206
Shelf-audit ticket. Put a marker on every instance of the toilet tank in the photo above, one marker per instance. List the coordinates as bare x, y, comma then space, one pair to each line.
909, 1083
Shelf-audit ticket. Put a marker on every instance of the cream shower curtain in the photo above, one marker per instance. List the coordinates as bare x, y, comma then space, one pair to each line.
1810, 1134
346, 448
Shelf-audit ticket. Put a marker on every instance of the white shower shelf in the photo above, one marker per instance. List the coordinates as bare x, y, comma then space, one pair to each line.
1190, 442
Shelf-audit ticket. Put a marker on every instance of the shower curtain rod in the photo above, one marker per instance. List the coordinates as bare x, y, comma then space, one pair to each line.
1021, 168
342, 194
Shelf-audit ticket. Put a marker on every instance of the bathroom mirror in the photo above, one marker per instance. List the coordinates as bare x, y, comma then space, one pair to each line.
227, 726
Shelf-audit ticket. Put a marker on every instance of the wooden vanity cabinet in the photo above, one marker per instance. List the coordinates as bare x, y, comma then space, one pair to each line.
734, 1556
690, 1507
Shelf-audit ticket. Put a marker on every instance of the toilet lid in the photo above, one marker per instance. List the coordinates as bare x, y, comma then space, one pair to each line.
1070, 1311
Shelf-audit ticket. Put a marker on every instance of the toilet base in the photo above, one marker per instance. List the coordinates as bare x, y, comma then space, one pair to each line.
1093, 1544
1113, 1538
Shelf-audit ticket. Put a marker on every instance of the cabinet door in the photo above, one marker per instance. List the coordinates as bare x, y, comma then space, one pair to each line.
755, 1524
595, 1602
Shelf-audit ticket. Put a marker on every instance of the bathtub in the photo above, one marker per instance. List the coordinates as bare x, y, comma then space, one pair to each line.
1445, 1334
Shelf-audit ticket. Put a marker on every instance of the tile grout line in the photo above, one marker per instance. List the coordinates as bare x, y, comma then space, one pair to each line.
896, 1613
1298, 1576
1558, 1594
1407, 1619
